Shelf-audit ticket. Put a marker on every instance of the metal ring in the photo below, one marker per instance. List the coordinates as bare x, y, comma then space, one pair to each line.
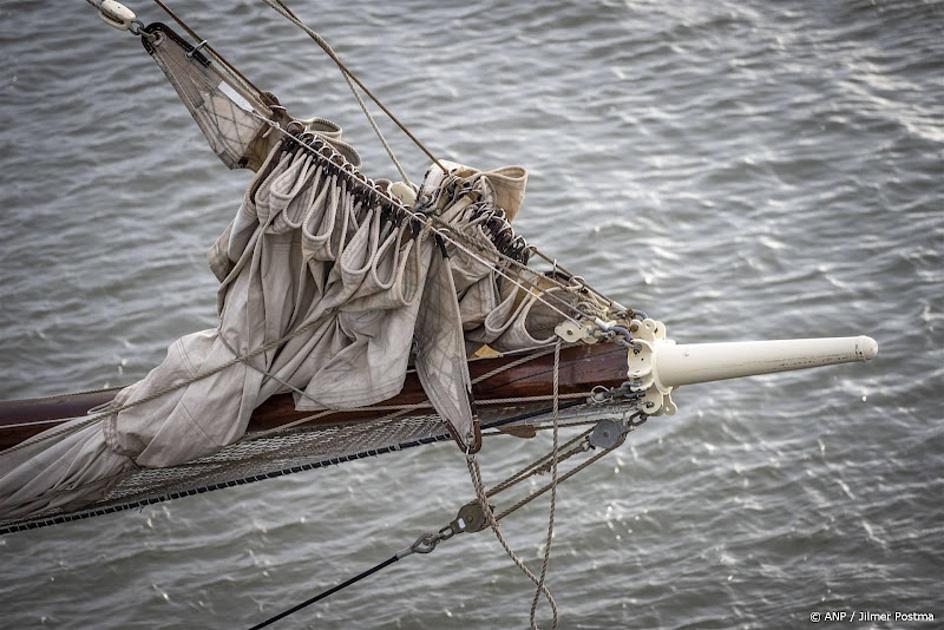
425, 543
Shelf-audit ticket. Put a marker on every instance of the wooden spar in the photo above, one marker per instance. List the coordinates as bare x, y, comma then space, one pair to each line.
581, 368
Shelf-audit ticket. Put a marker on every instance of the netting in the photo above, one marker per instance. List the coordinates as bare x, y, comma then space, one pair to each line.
272, 454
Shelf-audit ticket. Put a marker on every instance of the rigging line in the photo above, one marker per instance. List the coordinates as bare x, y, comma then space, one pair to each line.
348, 76
513, 364
308, 602
363, 106
323, 44
564, 425
553, 506
570, 473
535, 467
476, 474
522, 267
379, 134
264, 371
427, 221
580, 280
280, 7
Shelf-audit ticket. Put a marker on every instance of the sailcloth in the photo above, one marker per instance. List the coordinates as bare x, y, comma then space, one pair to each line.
339, 297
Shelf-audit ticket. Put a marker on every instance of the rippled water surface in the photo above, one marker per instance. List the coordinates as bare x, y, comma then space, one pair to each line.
736, 169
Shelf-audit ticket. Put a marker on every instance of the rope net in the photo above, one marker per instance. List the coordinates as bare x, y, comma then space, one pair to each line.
272, 454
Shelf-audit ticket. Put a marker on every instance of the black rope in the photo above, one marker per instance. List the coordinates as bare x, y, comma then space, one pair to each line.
330, 591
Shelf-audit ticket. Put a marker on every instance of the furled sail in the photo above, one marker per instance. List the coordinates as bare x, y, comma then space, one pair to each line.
339, 295
329, 293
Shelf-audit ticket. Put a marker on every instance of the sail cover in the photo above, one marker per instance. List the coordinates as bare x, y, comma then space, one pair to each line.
329, 291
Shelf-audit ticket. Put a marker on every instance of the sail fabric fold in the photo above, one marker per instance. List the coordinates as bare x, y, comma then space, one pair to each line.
342, 296
231, 114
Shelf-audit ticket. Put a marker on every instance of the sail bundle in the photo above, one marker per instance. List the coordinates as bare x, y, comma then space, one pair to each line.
333, 288
344, 289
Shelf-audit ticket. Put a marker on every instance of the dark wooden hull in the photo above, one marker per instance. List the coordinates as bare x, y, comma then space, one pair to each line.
581, 368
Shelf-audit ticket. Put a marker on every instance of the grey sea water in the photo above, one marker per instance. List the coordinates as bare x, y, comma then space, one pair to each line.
738, 169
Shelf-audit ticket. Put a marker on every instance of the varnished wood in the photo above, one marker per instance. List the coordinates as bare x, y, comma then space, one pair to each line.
581, 368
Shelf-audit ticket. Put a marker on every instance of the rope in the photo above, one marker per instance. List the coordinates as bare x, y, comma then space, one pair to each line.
476, 475
536, 467
517, 362
482, 496
570, 473
197, 39
287, 13
553, 508
331, 591
264, 371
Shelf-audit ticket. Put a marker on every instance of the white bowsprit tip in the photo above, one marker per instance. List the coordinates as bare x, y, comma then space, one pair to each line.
658, 365
866, 347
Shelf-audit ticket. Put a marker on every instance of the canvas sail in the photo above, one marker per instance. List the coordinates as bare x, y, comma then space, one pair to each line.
341, 297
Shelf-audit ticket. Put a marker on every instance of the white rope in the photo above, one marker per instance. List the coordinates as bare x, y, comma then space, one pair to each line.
288, 14
264, 371
476, 474
482, 496
553, 507
508, 366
